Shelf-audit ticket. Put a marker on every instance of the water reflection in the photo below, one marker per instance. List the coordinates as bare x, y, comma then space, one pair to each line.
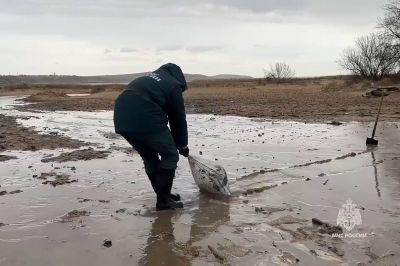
212, 212
162, 248
378, 190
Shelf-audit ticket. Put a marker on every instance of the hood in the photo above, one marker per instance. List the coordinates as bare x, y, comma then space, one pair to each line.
176, 72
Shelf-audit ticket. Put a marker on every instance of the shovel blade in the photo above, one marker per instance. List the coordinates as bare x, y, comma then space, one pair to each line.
371, 141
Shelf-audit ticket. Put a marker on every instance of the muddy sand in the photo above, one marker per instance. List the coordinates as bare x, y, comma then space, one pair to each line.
77, 155
291, 181
314, 99
16, 137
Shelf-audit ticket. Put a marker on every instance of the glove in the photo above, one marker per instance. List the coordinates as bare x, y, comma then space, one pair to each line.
184, 151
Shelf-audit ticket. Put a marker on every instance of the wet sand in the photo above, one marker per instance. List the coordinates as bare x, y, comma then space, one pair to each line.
282, 174
310, 100
16, 137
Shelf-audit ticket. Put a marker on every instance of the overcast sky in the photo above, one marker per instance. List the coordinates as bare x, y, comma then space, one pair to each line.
88, 37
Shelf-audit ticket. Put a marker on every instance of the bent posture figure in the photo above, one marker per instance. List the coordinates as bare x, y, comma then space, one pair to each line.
141, 115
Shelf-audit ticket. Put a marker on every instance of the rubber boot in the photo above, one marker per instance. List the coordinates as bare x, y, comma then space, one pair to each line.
164, 180
174, 196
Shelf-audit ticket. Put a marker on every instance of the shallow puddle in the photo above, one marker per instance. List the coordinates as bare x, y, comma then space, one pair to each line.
285, 168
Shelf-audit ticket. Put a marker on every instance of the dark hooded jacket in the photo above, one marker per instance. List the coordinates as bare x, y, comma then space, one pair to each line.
151, 101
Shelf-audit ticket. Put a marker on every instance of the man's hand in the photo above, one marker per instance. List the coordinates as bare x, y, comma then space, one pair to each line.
184, 151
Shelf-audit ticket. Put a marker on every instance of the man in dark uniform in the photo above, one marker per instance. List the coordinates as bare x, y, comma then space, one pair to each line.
141, 115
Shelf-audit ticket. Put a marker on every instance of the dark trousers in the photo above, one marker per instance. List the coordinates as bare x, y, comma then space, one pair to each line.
158, 150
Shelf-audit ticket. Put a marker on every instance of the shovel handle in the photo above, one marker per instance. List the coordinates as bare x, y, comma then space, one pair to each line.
377, 116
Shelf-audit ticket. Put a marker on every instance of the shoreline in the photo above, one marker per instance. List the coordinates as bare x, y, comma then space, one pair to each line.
320, 100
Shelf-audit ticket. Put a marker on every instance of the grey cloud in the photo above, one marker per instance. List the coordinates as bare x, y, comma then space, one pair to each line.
307, 7
205, 48
88, 8
170, 48
193, 49
127, 50
332, 10
173, 29
144, 8
263, 6
354, 11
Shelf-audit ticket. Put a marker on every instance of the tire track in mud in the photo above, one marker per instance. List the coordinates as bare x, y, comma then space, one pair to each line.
345, 156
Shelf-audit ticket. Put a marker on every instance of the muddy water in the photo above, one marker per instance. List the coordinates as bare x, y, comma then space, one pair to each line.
285, 168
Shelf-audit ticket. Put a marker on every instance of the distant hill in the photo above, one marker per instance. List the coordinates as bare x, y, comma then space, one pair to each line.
103, 79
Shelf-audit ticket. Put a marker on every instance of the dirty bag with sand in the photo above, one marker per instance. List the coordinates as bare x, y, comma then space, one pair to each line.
209, 176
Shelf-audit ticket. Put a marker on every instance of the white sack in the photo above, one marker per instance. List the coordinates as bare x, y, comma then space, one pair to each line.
209, 176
